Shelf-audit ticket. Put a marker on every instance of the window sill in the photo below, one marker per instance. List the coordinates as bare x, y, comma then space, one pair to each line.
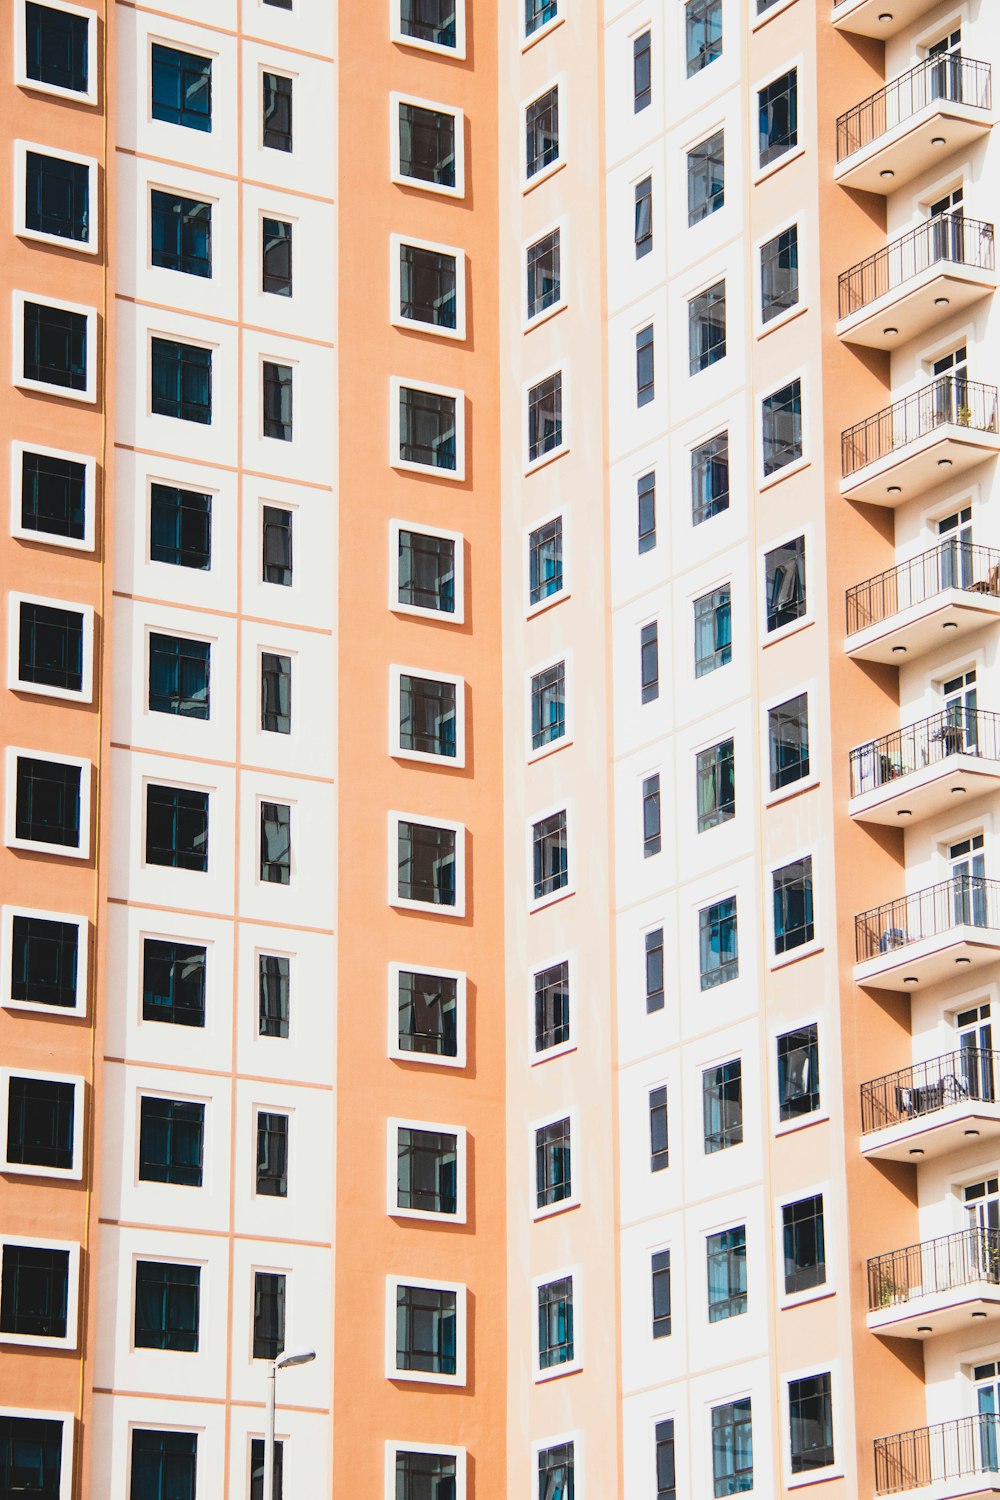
783, 632
552, 1052
78, 96
804, 950
784, 793
571, 1367
32, 1341
65, 392
815, 1476
431, 1059
550, 748
767, 481
542, 31
434, 330
36, 236
551, 1209
802, 1122
533, 466
543, 316
425, 1377
799, 1299
440, 616
561, 894
446, 762
546, 603
40, 690
782, 320
54, 851
436, 49
769, 15
425, 1216
429, 908
528, 184
36, 1008
429, 471
775, 166
440, 189
19, 1169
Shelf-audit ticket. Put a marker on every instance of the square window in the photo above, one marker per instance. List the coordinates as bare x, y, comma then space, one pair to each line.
181, 381
722, 1106
798, 1072
179, 676
713, 635
541, 133
556, 1345
51, 804
646, 507
275, 843
426, 1017
726, 1259
180, 527
56, 496
44, 1125
181, 88
651, 830
792, 888
428, 716
277, 546
433, 22
276, 257
58, 47
274, 984
57, 197
163, 1463
425, 572
181, 233
785, 581
272, 1154
659, 1148
538, 13
710, 478
553, 1163
57, 348
706, 177
427, 859
53, 647
37, 1299
545, 417
276, 108
718, 943
732, 1447
427, 1166
645, 374
781, 416
545, 561
803, 1240
171, 1141
660, 1277
548, 705
810, 1423
664, 1454
427, 148
707, 327
275, 693
422, 1474
788, 742
552, 1007
176, 827
173, 982
544, 271
716, 785
777, 118
45, 960
428, 286
277, 401
550, 855
643, 228
653, 947
268, 1314
779, 274
703, 33
649, 662
167, 1306
257, 1444
642, 72
36, 1448
428, 430
429, 1332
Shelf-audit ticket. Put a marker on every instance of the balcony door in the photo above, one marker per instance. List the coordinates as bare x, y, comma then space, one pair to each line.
959, 704
955, 548
967, 867
947, 229
975, 1045
949, 392
987, 1378
945, 74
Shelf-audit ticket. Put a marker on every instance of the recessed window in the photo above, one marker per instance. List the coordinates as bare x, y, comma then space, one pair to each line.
276, 563
781, 416
556, 1472
276, 391
645, 371
643, 227
179, 676
798, 1072
785, 581
646, 509
276, 257
556, 1344
43, 1125
726, 1259
181, 377
552, 1007
272, 1154
722, 1106
788, 742
664, 1455
707, 327
649, 662
779, 274
268, 1314
715, 775
167, 1306
275, 843
430, 21
428, 286
651, 818
35, 1450
163, 1463
425, 571
538, 13
51, 644
173, 982
57, 48
49, 804
792, 888
544, 272
57, 197
428, 423
803, 1241
427, 1333
427, 1013
257, 1444
180, 527
182, 233
545, 417
553, 1163
47, 966
659, 1144
35, 1293
428, 144
176, 827
713, 636
710, 478
706, 177
550, 855
182, 88
548, 705
426, 857
545, 561
732, 1447
56, 352
703, 33
54, 496
660, 1278
642, 72
718, 943
777, 116
653, 949
171, 1141
810, 1423
541, 133
427, 1167
428, 714
276, 107
274, 986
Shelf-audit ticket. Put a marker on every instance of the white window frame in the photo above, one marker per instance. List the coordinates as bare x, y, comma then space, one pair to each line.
562, 225
565, 658
85, 96
404, 903
461, 999
18, 1169
395, 174
279, 800
396, 242
548, 1210
48, 538
560, 514
186, 340
426, 1377
396, 674
396, 1445
537, 903
541, 1446
560, 84
89, 246
532, 465
7, 959
56, 851
570, 1045
825, 1288
835, 1470
396, 34
152, 779
762, 329
805, 690
33, 1413
575, 1274
89, 393
457, 539
816, 943
41, 690
393, 1125
765, 481
40, 1341
397, 383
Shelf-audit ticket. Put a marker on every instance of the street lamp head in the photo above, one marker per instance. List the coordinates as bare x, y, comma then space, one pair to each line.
294, 1357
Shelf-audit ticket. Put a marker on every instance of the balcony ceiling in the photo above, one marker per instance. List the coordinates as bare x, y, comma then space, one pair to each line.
944, 786
923, 627
951, 954
908, 148
939, 292
957, 1126
940, 1313
862, 16
929, 460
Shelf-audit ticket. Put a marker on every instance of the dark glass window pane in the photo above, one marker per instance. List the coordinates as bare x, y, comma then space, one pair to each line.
718, 943
666, 1472
277, 564
541, 127
173, 982
793, 905
798, 1072
651, 828
643, 230
426, 863
181, 233
171, 1141
810, 1423
428, 710
57, 197
167, 1306
642, 73
31, 1447
553, 1163
653, 945
427, 428
44, 960
257, 1444
47, 809
180, 525
428, 282
277, 396
646, 498
274, 982
164, 1465
726, 1259
659, 1149
545, 560
177, 827
55, 346
785, 576
50, 647
179, 676
543, 264
782, 427
722, 1106
181, 381
426, 1170
707, 327
276, 269
426, 571
41, 1114
703, 32
660, 1275
56, 48
427, 145
428, 1013
777, 110
34, 1291
272, 1154
555, 1323
182, 88
645, 386
426, 1330
550, 856
804, 1243
268, 1314
275, 843
556, 1472
788, 741
551, 1007
548, 705
545, 429
779, 274
715, 785
277, 106
275, 693
537, 13
710, 478
428, 21
53, 495
649, 662
706, 174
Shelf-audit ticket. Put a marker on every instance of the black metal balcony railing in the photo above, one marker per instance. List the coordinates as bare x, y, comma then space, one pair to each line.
949, 565
948, 238
953, 731
963, 901
931, 1455
940, 1265
924, 1088
948, 399
954, 78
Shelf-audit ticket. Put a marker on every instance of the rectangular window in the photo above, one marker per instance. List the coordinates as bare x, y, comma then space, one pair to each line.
31, 1448
706, 177
642, 72
798, 1072
57, 48
804, 1244
425, 1476
653, 945
428, 286
651, 830
785, 582
810, 1423
428, 1013
792, 887
45, 961
552, 1007
707, 327
779, 274
544, 273
179, 676
777, 115
427, 145
660, 1273
47, 803
659, 1146
272, 1154
431, 21
53, 496
726, 1261
277, 401
182, 88
722, 1106
55, 347
718, 943
646, 506
426, 571
34, 1292
257, 1444
274, 986
713, 638
553, 1164
788, 741
268, 1314
732, 1447
276, 256
545, 417
163, 1463
541, 133
710, 478
548, 705
181, 381
645, 367
643, 231
427, 428
275, 843
167, 1309
41, 1123
556, 1477
180, 527
277, 546
781, 416
276, 104
171, 1141
555, 1323
50, 647
181, 233
177, 828
716, 785
426, 859
545, 561
703, 31
550, 855
275, 693
57, 197
666, 1469
173, 982
649, 662
426, 1170
426, 1330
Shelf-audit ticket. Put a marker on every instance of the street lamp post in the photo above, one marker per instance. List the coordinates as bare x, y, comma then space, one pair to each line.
283, 1362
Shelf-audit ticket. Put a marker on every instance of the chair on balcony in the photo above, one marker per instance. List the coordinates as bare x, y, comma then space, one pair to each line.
892, 937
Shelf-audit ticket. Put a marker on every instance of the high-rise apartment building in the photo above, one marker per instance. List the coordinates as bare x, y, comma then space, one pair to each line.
501, 601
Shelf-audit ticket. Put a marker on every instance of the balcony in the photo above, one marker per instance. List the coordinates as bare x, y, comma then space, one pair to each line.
944, 593
957, 1460
936, 1287
939, 107
932, 1108
871, 18
931, 435
938, 269
924, 768
931, 935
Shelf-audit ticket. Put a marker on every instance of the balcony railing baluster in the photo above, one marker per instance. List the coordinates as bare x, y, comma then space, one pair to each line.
939, 1265
965, 900
950, 565
956, 79
953, 731
950, 400
947, 238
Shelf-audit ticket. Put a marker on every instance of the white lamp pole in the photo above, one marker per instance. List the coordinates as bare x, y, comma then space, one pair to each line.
283, 1362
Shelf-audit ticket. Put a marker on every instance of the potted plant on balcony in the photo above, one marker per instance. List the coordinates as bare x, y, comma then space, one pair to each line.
963, 416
